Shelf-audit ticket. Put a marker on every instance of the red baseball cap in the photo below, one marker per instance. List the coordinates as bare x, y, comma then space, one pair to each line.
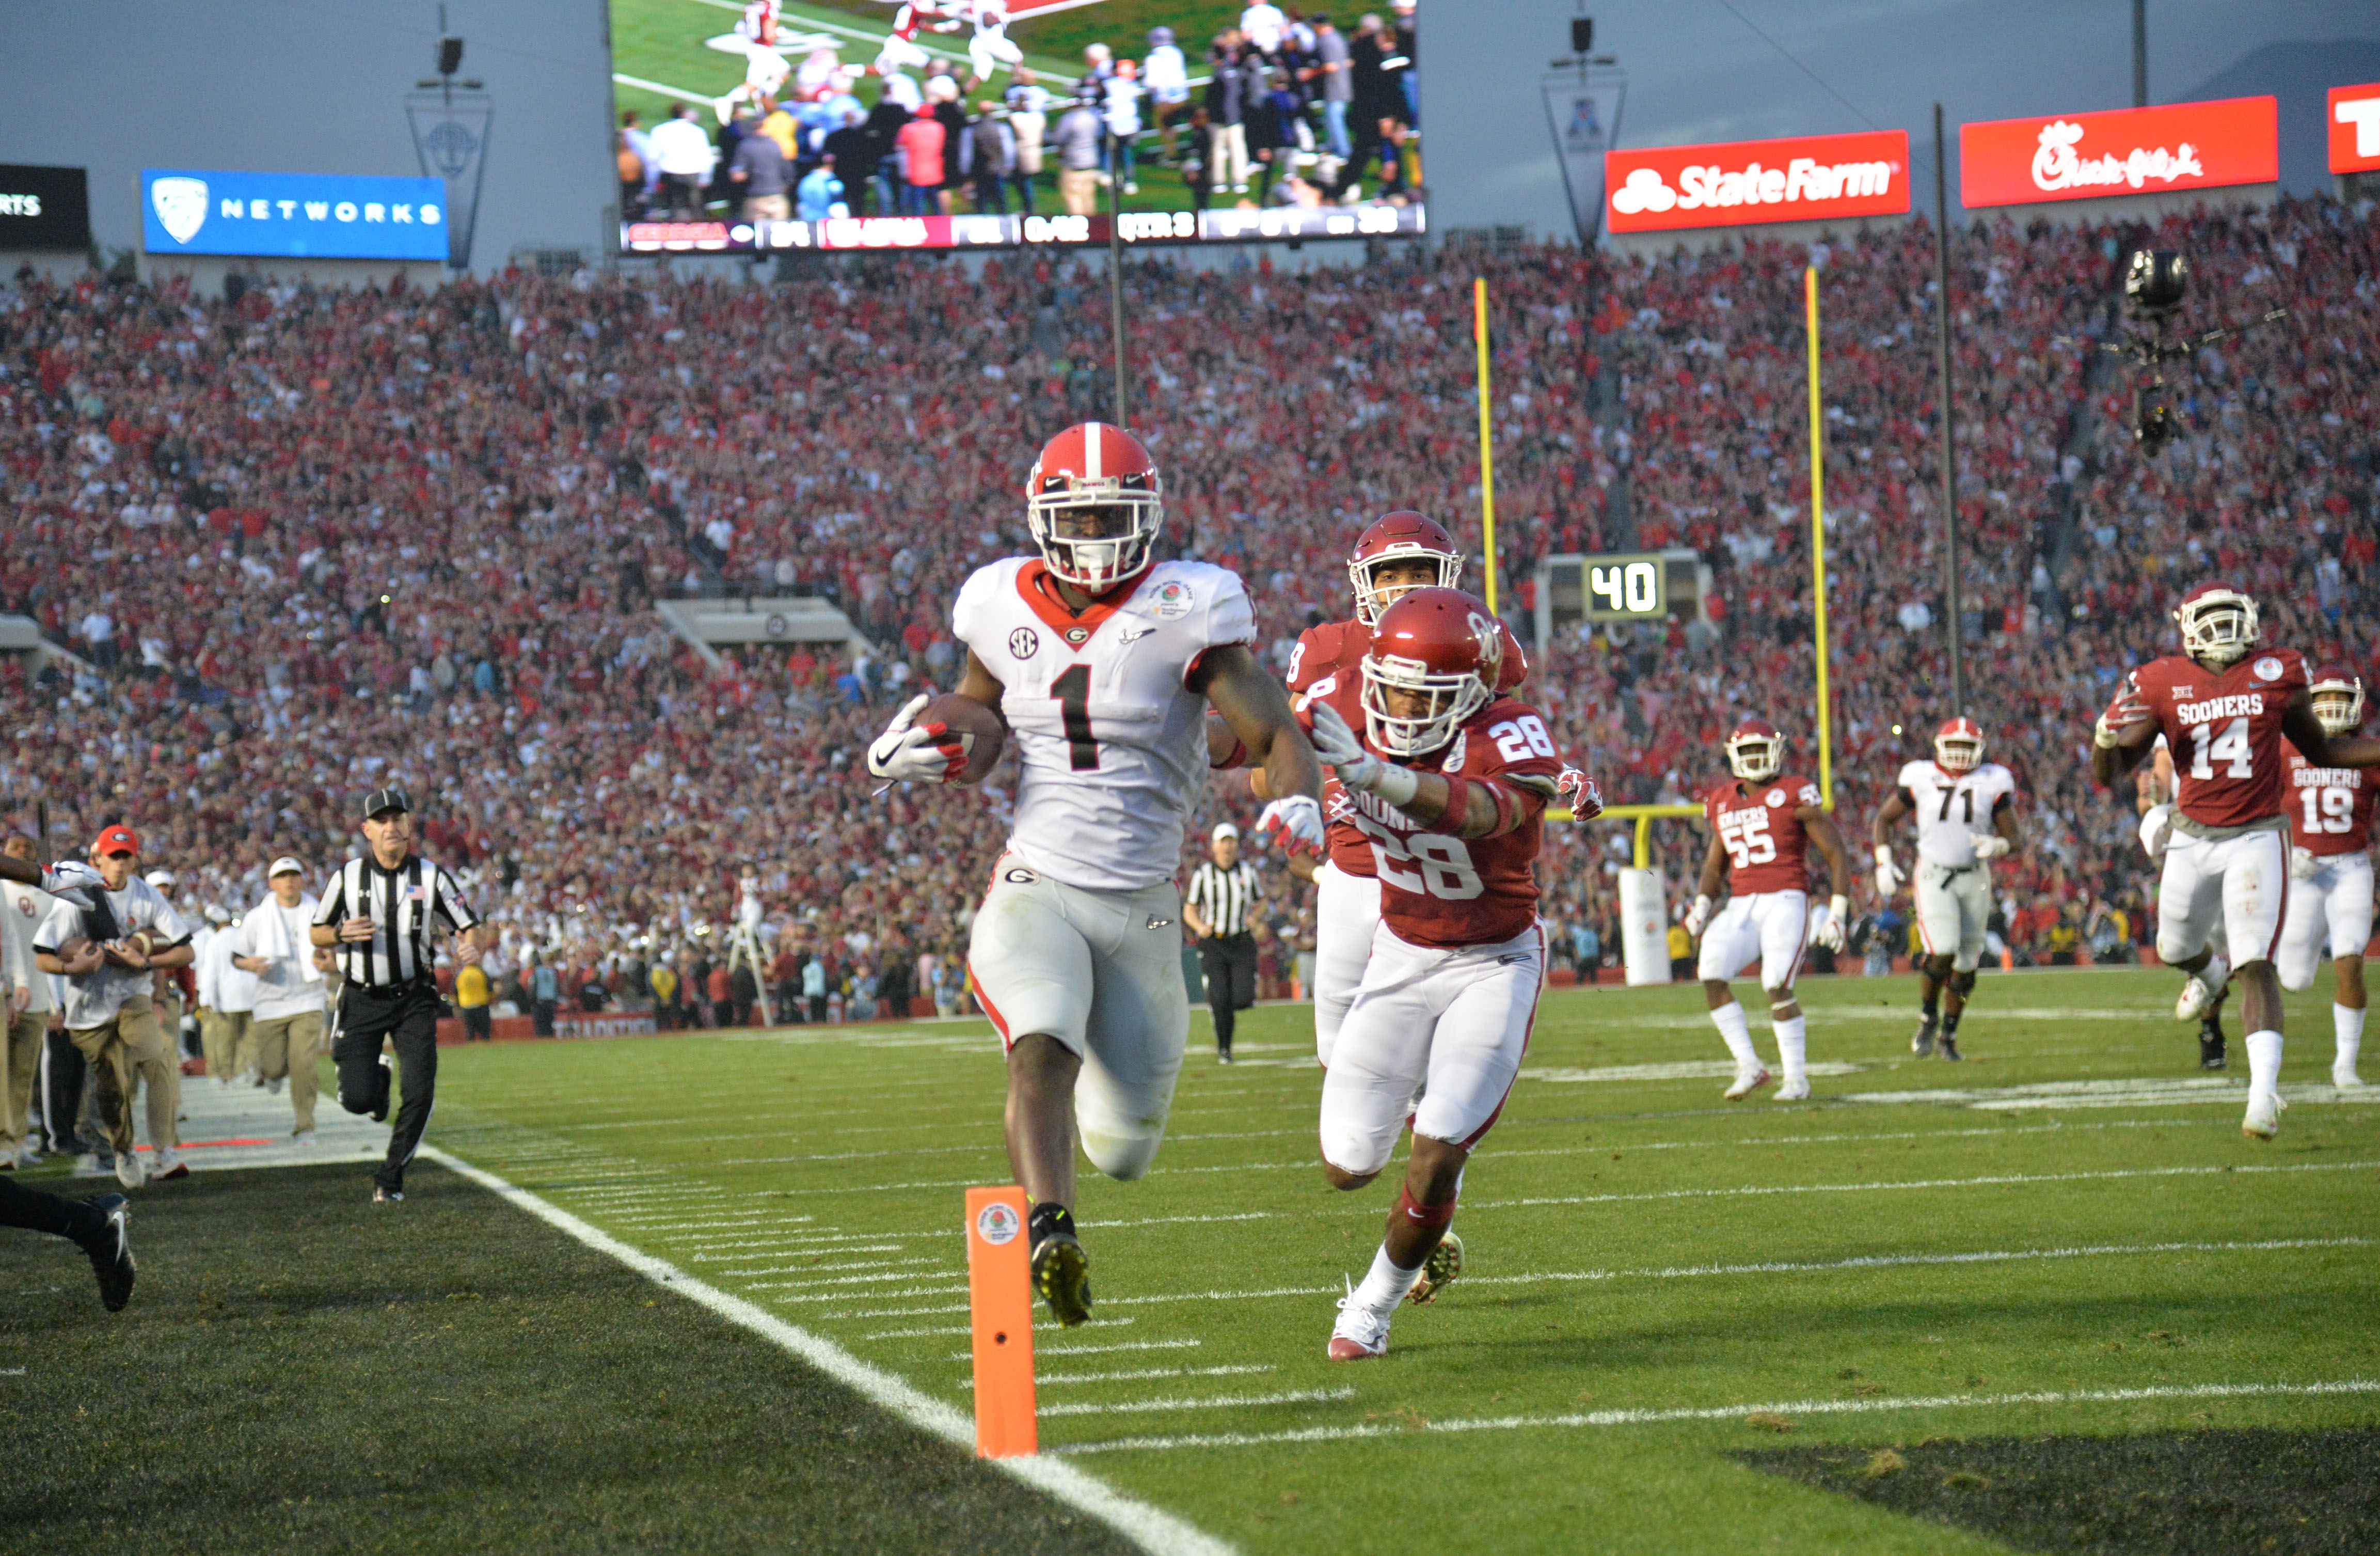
113, 840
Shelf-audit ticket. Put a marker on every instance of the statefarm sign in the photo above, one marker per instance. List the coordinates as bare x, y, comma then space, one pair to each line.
1738, 183
2128, 151
2354, 120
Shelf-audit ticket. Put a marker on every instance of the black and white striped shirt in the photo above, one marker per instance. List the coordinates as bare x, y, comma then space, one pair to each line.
402, 903
1223, 898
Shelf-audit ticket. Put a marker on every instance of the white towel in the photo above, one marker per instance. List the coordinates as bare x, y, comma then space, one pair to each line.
273, 939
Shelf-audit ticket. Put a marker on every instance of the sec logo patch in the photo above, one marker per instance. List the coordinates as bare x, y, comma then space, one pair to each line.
1023, 642
1775, 799
2268, 669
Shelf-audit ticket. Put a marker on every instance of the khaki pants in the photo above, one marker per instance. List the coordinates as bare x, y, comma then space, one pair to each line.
220, 1033
124, 1055
286, 1045
21, 1055
1078, 189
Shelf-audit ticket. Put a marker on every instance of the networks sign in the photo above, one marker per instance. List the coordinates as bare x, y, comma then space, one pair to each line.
1739, 183
293, 215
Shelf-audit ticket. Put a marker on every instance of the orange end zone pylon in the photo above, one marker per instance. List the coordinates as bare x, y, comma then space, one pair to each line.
999, 1303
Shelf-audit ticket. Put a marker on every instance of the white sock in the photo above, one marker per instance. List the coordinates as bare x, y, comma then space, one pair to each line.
1729, 1019
2214, 975
1793, 1046
2350, 1024
2264, 1062
1385, 1283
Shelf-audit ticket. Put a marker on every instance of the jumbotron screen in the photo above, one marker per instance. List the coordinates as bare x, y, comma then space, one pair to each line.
974, 124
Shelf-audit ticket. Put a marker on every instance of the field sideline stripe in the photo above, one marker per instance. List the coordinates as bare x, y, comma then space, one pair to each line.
1151, 1528
1996, 1180
1725, 1412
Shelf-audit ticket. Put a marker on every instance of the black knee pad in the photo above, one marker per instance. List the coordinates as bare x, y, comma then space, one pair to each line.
1938, 969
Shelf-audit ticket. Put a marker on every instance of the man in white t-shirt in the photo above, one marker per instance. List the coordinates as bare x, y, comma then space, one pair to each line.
109, 953
227, 1003
27, 989
285, 1027
1166, 77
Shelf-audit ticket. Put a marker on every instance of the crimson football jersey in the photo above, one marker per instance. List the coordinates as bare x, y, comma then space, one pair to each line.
1768, 847
1444, 891
2330, 807
2225, 731
1327, 665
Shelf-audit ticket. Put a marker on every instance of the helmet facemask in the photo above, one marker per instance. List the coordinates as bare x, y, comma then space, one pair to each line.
2338, 706
2218, 627
1446, 701
1755, 758
1094, 533
1373, 597
1958, 752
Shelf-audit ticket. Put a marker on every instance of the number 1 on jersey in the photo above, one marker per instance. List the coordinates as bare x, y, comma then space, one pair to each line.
2231, 747
1072, 691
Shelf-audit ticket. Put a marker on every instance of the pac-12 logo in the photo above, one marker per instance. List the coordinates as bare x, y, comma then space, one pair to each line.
997, 1224
1023, 642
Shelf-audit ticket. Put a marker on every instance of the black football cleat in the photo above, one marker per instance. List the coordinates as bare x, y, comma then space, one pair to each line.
388, 1196
1061, 1273
2212, 1054
1950, 1049
1921, 1044
111, 1251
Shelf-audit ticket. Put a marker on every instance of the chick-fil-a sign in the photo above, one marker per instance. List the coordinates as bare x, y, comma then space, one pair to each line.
2128, 151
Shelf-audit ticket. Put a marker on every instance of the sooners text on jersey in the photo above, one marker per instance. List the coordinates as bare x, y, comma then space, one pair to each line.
1112, 744
1954, 808
2225, 731
1768, 850
2330, 807
1443, 891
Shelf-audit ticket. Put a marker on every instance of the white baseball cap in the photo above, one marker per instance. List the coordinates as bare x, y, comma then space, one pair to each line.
285, 865
1224, 830
161, 879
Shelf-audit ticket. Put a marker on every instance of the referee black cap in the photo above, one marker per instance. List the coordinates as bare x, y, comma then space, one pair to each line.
380, 800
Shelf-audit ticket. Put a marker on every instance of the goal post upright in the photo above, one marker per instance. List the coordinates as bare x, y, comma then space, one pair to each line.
1487, 451
1819, 544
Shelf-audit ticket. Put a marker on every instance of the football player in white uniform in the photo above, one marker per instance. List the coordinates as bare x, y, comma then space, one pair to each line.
990, 48
1966, 816
1101, 659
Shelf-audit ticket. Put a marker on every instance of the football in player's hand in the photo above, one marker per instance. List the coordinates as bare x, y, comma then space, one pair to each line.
965, 715
79, 953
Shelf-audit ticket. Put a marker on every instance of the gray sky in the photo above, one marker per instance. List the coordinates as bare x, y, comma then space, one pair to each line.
1701, 70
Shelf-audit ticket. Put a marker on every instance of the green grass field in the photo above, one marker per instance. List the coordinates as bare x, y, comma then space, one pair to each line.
660, 45
2012, 1301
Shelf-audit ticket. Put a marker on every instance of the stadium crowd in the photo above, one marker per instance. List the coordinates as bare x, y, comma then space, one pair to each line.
428, 528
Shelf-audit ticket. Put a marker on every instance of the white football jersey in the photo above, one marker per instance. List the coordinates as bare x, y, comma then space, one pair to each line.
1954, 808
1114, 745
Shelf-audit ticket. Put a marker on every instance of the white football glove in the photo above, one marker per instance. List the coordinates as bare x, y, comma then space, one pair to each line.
72, 881
1991, 845
1294, 825
1343, 753
1698, 916
907, 753
1586, 799
2125, 712
1888, 875
2156, 827
2302, 864
1831, 931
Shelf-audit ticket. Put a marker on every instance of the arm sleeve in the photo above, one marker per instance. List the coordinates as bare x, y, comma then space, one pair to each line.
452, 905
64, 923
163, 920
17, 968
333, 905
1229, 616
211, 965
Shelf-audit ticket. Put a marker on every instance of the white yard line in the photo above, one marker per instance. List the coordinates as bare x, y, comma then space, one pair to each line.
1867, 1261
1221, 1401
877, 1296
1787, 1409
1059, 1380
1994, 1181
1152, 1528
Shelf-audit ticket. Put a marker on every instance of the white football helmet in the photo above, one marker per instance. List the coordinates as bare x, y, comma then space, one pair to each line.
1756, 752
2337, 695
2217, 622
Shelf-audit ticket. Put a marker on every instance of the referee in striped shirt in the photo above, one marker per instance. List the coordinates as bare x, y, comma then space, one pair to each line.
1223, 892
378, 911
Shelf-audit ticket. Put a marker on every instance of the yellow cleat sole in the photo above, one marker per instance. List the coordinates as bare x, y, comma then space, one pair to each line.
1438, 1271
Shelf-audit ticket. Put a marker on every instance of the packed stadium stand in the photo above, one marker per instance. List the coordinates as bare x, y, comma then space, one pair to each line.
305, 540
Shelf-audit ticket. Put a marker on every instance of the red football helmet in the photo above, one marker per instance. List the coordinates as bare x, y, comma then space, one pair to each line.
2337, 695
1756, 752
2217, 622
1094, 504
1959, 745
1402, 536
1440, 646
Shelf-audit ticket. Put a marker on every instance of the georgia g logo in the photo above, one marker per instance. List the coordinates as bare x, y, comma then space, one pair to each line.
1023, 643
